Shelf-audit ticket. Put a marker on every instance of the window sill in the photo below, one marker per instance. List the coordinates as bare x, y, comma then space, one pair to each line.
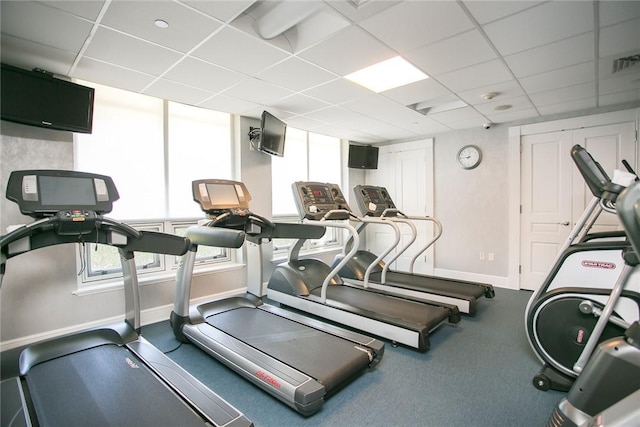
278, 258
152, 279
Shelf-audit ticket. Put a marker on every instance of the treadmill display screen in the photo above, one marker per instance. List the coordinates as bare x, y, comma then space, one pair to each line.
321, 195
66, 191
222, 194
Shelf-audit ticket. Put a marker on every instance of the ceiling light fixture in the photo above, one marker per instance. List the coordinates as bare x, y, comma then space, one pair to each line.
385, 75
161, 23
503, 107
489, 95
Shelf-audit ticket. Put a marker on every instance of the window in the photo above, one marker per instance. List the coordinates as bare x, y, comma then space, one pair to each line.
153, 149
308, 157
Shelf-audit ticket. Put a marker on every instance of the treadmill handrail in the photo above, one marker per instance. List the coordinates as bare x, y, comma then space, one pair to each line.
386, 252
345, 259
431, 242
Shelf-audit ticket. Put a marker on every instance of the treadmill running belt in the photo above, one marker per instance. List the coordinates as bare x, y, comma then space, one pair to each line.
401, 312
326, 358
455, 289
104, 386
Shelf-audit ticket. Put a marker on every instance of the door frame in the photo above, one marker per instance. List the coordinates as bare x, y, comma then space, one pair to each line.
514, 169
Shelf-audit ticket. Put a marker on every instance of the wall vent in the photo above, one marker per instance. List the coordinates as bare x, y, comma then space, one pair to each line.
626, 62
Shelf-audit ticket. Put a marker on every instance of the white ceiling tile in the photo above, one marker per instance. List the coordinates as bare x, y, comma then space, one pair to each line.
565, 107
347, 51
568, 76
504, 91
337, 91
540, 25
479, 75
331, 114
620, 38
84, 9
556, 55
419, 27
487, 11
186, 28
43, 24
222, 10
230, 105
239, 51
296, 74
618, 98
416, 92
129, 52
29, 55
451, 54
257, 91
304, 122
510, 116
298, 103
628, 81
459, 114
111, 75
202, 74
564, 95
519, 103
614, 12
166, 89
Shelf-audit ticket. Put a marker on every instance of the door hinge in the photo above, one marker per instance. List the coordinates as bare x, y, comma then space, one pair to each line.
520, 269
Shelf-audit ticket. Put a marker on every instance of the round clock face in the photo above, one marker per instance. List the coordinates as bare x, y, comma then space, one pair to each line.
469, 156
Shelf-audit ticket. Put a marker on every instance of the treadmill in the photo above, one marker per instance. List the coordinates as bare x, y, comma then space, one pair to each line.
109, 375
296, 359
311, 286
367, 270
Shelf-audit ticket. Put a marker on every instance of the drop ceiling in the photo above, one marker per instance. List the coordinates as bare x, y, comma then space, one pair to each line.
540, 58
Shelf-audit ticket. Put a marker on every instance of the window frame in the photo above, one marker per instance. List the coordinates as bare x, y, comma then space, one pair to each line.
89, 280
336, 239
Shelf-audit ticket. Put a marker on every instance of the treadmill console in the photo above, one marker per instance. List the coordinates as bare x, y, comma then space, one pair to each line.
217, 196
315, 200
373, 200
79, 196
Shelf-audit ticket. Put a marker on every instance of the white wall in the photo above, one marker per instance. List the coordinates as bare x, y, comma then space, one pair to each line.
472, 204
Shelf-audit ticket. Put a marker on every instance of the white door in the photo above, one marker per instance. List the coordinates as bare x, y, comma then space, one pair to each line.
554, 195
608, 145
406, 171
545, 203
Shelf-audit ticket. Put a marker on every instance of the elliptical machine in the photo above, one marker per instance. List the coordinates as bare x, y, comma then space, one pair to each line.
589, 295
607, 392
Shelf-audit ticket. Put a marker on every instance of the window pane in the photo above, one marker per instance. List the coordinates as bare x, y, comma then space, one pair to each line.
199, 148
324, 159
288, 169
126, 144
104, 260
205, 253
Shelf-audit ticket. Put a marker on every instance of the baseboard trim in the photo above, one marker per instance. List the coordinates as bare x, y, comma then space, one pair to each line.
147, 317
496, 281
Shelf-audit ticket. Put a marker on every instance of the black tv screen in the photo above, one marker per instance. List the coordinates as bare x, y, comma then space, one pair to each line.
39, 99
363, 157
272, 134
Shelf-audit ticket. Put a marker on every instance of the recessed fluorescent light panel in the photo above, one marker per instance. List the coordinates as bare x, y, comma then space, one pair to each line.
385, 75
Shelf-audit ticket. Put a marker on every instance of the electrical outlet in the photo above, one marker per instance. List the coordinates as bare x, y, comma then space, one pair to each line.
481, 256
491, 256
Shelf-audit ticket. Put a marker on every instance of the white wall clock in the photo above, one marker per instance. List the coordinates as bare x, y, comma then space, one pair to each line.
469, 156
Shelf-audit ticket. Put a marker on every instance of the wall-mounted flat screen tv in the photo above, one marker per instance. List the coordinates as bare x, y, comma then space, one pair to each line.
38, 99
363, 157
272, 134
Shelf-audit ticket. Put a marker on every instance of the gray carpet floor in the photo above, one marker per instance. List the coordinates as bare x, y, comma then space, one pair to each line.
477, 373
